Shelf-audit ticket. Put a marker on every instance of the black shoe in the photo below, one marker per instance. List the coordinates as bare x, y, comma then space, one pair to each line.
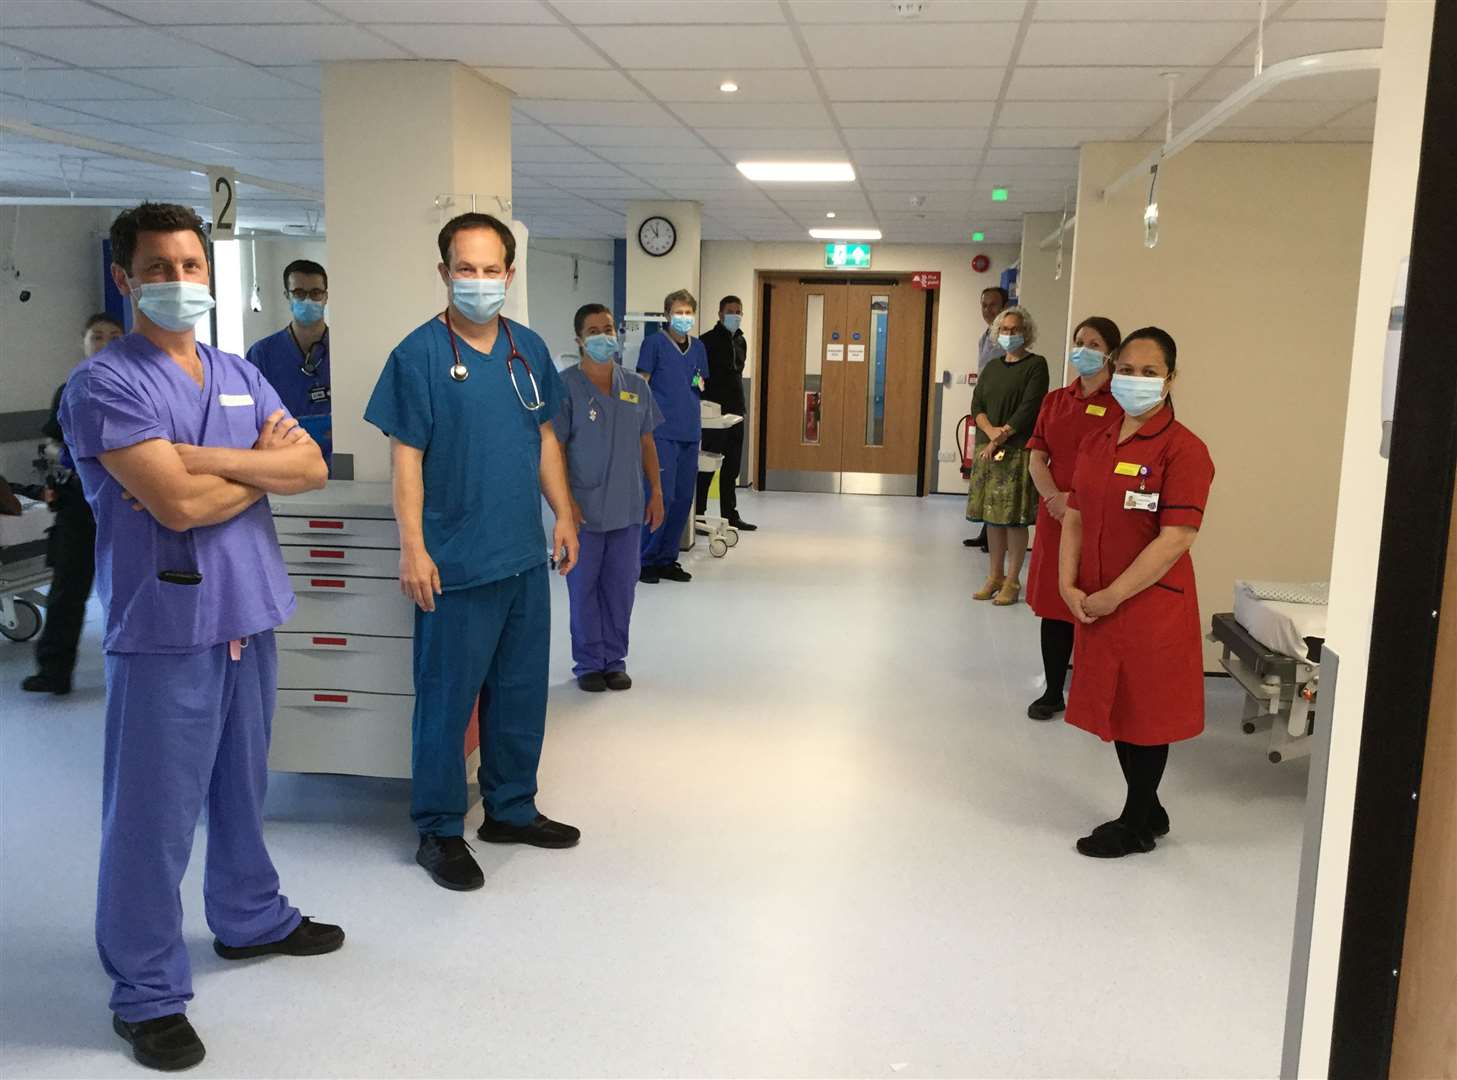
1046, 707
1113, 840
674, 572
593, 682
167, 1043
308, 939
649, 575
618, 680
543, 833
449, 862
741, 525
1158, 821
50, 684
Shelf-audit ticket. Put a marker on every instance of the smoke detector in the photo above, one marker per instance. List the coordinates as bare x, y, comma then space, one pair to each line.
918, 200
910, 9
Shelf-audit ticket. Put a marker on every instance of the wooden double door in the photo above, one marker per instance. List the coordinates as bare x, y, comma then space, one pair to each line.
846, 385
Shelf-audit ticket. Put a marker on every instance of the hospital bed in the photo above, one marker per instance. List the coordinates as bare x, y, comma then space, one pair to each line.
1271, 646
23, 569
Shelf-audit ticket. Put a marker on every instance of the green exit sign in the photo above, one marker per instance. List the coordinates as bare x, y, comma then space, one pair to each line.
847, 256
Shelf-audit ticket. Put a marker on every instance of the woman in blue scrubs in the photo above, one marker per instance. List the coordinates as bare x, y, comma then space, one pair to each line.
676, 364
606, 428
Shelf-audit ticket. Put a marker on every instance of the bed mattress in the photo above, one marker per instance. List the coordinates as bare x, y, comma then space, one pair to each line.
32, 524
1282, 626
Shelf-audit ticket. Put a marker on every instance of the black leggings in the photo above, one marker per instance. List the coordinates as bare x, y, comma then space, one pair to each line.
1057, 653
1143, 768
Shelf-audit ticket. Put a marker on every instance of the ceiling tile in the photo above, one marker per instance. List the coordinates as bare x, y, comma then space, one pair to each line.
677, 171
120, 47
599, 135
565, 83
914, 114
913, 84
1098, 83
796, 115
1070, 113
1346, 86
37, 112
60, 84
156, 111
639, 114
695, 47
192, 13
1336, 135
916, 172
15, 58
818, 144
548, 155
1062, 156
495, 13
534, 135
911, 45
294, 151
306, 75
860, 11
578, 170
1254, 134
1271, 114
302, 44
631, 155
1335, 9
657, 13
1130, 11
486, 45
1362, 116
214, 85
273, 110
915, 159
224, 132
41, 13
1112, 44
764, 84
1061, 137
1284, 40
915, 138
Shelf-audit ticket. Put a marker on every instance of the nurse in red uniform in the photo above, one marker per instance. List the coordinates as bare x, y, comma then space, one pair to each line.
1137, 501
1068, 416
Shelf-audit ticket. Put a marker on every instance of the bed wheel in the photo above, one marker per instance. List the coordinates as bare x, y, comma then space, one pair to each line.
1275, 758
718, 547
27, 622
1248, 727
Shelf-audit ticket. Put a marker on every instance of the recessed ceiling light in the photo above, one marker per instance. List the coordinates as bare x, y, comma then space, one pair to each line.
999, 194
978, 236
845, 234
728, 86
812, 172
829, 213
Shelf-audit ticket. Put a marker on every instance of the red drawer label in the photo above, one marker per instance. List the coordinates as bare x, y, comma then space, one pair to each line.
326, 524
338, 699
326, 554
327, 583
331, 641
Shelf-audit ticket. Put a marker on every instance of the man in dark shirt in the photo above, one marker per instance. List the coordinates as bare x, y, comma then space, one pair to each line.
727, 350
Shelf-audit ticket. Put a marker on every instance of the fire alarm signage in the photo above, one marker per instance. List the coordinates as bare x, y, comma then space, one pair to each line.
926, 279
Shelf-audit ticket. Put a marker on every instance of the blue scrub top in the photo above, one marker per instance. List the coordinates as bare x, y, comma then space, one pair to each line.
672, 373
603, 434
305, 396
482, 448
130, 392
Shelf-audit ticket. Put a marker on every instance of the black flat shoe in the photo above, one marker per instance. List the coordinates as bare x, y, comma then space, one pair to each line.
649, 575
48, 684
542, 833
593, 682
618, 680
449, 863
1113, 840
674, 572
1158, 821
742, 526
1045, 708
167, 1043
308, 939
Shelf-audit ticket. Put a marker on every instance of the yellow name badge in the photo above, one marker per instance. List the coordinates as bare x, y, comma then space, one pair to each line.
1127, 468
1097, 410
628, 396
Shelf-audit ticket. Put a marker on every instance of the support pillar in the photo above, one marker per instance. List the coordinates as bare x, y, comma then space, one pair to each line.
650, 277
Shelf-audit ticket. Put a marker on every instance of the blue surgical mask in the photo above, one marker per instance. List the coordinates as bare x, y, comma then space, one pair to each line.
173, 305
682, 324
1137, 394
601, 347
731, 323
1088, 361
478, 299
1010, 342
307, 312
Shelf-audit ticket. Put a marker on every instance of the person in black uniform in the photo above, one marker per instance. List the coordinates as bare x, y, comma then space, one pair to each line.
727, 350
71, 551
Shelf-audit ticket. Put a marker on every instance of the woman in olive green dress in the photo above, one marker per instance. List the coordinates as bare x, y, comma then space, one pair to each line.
1008, 396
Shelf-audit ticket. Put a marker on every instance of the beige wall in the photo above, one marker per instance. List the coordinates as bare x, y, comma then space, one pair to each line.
1388, 215
1043, 293
1255, 276
652, 277
729, 267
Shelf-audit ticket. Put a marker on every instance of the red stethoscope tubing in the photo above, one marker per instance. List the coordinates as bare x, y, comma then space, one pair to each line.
459, 372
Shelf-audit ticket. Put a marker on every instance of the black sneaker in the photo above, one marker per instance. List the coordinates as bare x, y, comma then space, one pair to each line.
593, 682
741, 525
618, 680
542, 833
308, 939
1046, 707
1113, 840
167, 1043
649, 575
674, 572
449, 862
48, 684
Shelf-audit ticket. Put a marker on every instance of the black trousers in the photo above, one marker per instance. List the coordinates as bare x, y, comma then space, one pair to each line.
730, 443
72, 557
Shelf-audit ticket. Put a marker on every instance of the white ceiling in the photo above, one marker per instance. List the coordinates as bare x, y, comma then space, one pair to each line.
619, 99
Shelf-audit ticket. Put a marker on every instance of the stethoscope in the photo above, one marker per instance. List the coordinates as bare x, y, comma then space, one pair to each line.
313, 356
459, 372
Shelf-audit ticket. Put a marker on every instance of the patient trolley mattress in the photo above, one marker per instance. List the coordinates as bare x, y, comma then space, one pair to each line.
1280, 625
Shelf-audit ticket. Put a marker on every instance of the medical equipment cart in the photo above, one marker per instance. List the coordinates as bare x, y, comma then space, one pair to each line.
23, 569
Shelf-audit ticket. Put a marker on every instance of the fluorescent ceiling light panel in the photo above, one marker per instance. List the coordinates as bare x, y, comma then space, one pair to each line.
797, 172
845, 234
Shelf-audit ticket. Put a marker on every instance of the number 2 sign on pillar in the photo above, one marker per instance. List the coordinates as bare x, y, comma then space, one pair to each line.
222, 183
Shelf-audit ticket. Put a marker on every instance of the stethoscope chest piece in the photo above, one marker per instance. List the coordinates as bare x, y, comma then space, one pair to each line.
459, 372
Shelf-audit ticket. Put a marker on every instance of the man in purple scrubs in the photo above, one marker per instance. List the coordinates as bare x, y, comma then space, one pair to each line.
177, 444
295, 361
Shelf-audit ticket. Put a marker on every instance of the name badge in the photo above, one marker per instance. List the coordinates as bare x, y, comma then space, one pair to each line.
628, 396
697, 381
1141, 500
1128, 468
235, 399
318, 392
1097, 410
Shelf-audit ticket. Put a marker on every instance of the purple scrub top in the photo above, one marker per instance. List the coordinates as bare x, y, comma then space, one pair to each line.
128, 393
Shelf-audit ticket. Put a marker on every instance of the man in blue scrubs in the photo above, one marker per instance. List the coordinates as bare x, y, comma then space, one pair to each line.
676, 366
176, 444
467, 400
295, 361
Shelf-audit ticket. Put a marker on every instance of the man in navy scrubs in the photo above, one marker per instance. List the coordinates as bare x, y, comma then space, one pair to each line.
295, 361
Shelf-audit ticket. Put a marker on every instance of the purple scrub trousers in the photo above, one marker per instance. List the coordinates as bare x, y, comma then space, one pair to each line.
184, 732
678, 463
601, 588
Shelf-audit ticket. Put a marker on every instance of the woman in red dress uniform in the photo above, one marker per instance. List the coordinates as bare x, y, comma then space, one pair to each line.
1137, 501
1068, 416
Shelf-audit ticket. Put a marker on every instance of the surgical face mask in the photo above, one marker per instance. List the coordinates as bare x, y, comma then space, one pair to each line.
307, 312
1137, 394
173, 305
732, 323
1087, 361
478, 299
1010, 342
682, 324
601, 347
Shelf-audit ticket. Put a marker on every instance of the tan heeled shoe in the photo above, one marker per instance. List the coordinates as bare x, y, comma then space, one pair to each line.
1007, 596
988, 590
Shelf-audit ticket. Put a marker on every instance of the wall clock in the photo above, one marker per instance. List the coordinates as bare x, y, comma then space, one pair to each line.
657, 236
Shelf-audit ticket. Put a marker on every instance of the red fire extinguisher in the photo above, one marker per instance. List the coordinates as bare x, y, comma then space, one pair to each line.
811, 416
966, 440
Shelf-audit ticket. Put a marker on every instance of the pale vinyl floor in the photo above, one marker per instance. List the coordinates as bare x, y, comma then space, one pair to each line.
821, 839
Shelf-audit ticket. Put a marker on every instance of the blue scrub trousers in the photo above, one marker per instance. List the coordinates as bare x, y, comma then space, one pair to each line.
493, 640
601, 588
679, 469
184, 732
